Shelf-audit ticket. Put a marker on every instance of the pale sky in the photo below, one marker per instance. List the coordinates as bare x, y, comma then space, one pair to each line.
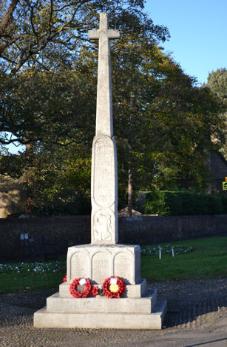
198, 30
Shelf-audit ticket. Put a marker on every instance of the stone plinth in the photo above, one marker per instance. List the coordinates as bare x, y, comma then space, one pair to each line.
45, 319
137, 309
99, 262
99, 312
100, 304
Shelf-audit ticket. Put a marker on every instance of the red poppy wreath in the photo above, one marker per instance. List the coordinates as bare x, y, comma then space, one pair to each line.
113, 287
80, 288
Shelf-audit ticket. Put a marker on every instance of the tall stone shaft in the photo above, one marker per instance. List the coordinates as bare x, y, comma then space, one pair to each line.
104, 117
104, 190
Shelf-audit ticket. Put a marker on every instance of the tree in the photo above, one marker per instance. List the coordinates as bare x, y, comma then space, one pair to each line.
53, 41
217, 83
41, 107
50, 33
163, 121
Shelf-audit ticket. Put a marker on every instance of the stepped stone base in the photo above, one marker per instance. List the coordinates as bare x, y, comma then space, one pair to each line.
137, 309
140, 319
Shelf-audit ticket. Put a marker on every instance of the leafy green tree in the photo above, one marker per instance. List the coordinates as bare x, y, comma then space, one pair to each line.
58, 181
163, 124
50, 113
163, 121
50, 33
217, 82
41, 107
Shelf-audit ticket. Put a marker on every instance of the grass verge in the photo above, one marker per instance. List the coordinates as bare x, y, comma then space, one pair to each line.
208, 259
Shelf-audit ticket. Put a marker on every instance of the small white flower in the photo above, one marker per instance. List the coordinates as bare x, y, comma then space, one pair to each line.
113, 281
82, 281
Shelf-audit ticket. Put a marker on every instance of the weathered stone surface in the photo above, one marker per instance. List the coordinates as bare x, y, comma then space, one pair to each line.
104, 117
104, 220
101, 304
46, 319
101, 266
104, 199
99, 262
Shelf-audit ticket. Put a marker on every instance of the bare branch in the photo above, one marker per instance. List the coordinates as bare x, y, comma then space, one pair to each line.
7, 17
32, 23
51, 15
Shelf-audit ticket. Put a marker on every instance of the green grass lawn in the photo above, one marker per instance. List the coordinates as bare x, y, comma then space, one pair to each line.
208, 259
31, 276
19, 282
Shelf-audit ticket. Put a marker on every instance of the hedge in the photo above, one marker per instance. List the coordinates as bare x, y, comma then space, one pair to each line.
173, 203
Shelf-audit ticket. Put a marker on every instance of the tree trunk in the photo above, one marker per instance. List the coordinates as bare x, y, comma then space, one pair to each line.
130, 192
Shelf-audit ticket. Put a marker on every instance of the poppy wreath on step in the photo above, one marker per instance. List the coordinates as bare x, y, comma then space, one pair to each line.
113, 287
95, 290
80, 288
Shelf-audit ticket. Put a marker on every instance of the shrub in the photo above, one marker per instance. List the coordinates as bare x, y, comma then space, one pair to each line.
181, 203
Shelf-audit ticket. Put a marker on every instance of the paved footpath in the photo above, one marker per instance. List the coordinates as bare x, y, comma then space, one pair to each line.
197, 316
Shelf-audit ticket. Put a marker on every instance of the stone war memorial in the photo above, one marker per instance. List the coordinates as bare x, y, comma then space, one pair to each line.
103, 287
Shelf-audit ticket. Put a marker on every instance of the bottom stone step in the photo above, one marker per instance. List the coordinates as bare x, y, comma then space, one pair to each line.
47, 319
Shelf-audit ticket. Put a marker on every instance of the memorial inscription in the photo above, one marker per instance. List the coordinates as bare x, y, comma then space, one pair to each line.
124, 266
101, 266
80, 265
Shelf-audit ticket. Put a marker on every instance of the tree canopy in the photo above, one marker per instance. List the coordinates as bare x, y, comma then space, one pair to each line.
163, 121
50, 33
217, 83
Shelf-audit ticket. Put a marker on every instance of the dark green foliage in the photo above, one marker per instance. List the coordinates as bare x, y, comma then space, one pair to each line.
48, 34
217, 82
175, 203
163, 122
73, 204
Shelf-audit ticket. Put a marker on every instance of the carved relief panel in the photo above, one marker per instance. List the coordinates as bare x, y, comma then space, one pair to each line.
104, 191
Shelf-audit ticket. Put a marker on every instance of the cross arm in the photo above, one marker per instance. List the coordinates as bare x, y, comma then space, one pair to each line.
93, 34
113, 34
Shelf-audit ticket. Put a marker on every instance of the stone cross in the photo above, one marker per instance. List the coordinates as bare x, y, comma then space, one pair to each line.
104, 191
103, 258
104, 117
